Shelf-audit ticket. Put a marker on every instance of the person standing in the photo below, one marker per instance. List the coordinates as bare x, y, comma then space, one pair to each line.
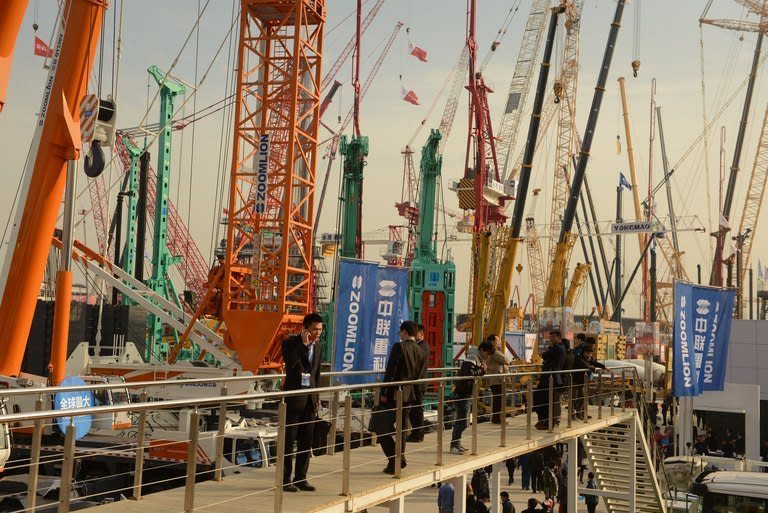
591, 500
532, 503
506, 505
525, 471
405, 363
511, 464
301, 357
536, 467
495, 364
416, 413
553, 360
462, 393
445, 497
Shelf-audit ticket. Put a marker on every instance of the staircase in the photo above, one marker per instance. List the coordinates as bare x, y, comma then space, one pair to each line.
608, 453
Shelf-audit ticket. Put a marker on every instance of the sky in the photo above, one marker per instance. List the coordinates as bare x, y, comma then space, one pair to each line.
667, 40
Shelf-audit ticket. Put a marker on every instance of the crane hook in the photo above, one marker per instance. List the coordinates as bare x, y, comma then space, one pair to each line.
94, 160
635, 67
557, 88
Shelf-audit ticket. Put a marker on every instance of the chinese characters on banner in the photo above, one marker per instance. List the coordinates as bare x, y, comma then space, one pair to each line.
371, 303
702, 328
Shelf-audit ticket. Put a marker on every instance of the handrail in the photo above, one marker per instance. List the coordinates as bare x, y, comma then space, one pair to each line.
199, 403
188, 381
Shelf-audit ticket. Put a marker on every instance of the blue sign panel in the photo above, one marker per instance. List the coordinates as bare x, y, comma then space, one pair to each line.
74, 401
702, 327
371, 303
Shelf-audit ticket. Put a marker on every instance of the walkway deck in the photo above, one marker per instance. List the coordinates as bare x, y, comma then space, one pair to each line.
253, 490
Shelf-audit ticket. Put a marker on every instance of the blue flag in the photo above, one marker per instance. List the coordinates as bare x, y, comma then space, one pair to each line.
371, 302
702, 329
623, 182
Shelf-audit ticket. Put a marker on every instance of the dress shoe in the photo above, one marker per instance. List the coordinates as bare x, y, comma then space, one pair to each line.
403, 463
389, 469
290, 488
305, 487
414, 438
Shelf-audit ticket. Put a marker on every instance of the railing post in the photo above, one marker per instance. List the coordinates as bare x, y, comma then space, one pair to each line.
218, 473
529, 409
613, 392
34, 458
600, 396
570, 398
475, 417
65, 486
586, 397
346, 455
623, 391
280, 460
503, 413
398, 431
138, 465
189, 488
551, 405
440, 421
334, 420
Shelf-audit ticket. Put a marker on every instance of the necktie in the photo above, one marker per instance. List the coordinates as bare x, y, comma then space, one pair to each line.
311, 353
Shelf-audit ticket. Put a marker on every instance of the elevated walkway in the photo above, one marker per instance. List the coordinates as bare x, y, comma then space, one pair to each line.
254, 490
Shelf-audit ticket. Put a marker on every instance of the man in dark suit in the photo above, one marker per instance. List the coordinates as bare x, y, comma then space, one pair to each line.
405, 363
416, 413
301, 356
553, 359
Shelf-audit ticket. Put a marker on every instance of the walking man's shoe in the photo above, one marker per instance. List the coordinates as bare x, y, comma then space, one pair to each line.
305, 487
290, 488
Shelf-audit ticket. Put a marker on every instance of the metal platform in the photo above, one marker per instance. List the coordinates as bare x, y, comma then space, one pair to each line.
253, 490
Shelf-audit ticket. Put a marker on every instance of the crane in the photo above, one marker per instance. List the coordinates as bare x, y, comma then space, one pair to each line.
432, 282
56, 141
566, 238
502, 290
520, 85
354, 151
716, 276
535, 259
11, 16
565, 89
752, 206
268, 259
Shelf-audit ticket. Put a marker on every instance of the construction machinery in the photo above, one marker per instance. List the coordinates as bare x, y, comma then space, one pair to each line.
432, 282
56, 141
501, 293
716, 276
566, 238
265, 277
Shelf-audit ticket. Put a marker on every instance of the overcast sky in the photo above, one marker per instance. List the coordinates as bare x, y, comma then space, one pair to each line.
669, 49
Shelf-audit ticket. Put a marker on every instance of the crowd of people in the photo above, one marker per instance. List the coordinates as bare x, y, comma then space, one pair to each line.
541, 471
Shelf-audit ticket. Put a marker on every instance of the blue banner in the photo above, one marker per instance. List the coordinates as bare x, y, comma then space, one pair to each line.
371, 303
702, 327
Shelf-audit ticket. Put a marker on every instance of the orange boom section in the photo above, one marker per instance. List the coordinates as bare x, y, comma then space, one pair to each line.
266, 282
58, 139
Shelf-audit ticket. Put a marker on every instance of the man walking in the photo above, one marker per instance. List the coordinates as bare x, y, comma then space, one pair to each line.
301, 356
405, 363
416, 413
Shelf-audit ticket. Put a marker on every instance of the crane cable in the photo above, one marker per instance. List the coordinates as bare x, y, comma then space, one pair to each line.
705, 121
500, 34
192, 149
186, 100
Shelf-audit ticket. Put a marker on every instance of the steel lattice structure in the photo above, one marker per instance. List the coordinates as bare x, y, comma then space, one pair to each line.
268, 261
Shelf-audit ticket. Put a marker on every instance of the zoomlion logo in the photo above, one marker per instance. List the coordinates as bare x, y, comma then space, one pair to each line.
387, 288
702, 307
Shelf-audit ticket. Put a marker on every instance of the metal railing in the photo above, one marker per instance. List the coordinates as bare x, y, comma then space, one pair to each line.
516, 390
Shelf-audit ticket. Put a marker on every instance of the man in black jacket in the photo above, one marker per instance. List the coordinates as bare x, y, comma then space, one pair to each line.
405, 363
301, 356
416, 413
553, 359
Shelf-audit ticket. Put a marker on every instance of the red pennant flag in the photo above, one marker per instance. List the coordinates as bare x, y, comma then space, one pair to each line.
417, 52
42, 49
409, 96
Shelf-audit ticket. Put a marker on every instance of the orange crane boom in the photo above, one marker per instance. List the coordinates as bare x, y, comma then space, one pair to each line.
59, 136
11, 16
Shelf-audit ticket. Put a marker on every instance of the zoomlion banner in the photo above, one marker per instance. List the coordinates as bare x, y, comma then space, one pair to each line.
371, 302
703, 318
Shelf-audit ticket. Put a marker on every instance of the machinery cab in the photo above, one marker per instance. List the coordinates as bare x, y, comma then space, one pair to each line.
248, 451
109, 397
731, 492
